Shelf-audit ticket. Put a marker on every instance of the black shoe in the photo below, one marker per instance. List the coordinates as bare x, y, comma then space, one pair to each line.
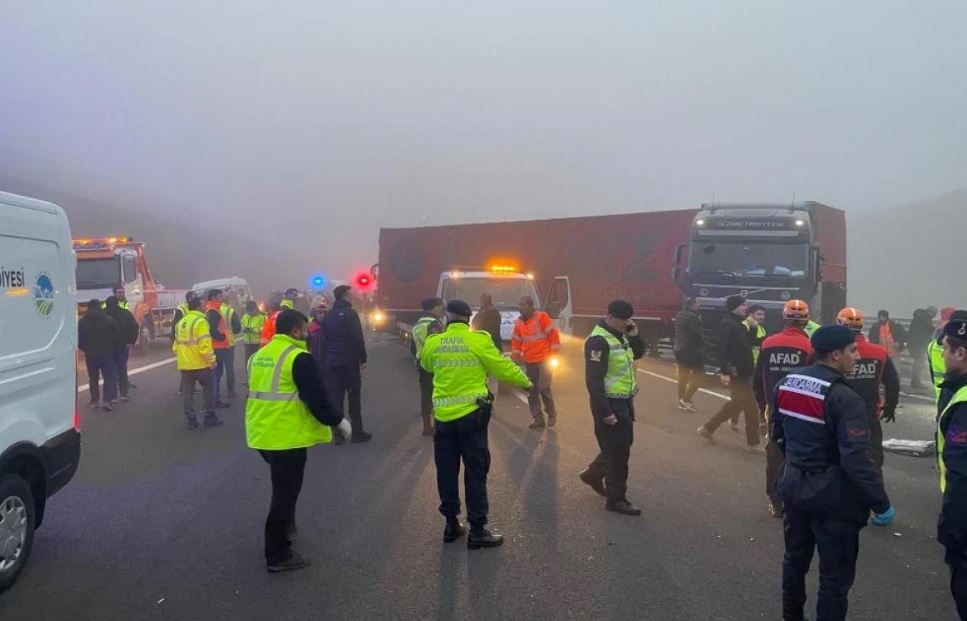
222, 405
292, 532
595, 483
294, 562
775, 509
107, 407
192, 422
212, 421
483, 539
537, 424
360, 437
125, 398
453, 531
623, 507
337, 438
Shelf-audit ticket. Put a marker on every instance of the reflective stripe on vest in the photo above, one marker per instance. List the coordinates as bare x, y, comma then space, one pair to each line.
938, 368
191, 340
420, 331
959, 397
273, 393
228, 313
252, 328
620, 381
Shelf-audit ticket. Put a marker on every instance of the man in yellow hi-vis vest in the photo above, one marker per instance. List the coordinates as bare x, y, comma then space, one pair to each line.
196, 362
287, 412
952, 459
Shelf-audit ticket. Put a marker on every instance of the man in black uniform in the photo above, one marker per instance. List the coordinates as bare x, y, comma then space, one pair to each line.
345, 350
829, 484
735, 370
609, 355
952, 459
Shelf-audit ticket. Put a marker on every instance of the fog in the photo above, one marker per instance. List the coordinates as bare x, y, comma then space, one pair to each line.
304, 126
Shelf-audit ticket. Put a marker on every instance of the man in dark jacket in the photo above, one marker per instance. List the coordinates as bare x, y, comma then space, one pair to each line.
316, 340
97, 336
919, 335
736, 369
688, 353
888, 333
952, 459
609, 373
128, 332
829, 485
488, 320
345, 353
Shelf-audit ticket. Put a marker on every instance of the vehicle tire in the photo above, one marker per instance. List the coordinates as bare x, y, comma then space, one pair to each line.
17, 519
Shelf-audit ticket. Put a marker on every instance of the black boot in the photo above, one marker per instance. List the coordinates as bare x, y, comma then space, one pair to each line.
483, 538
623, 507
211, 420
453, 531
595, 483
192, 421
293, 562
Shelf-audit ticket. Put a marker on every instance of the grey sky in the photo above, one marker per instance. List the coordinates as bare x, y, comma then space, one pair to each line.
351, 115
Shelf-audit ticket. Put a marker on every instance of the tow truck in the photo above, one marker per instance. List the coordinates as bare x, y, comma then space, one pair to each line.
107, 262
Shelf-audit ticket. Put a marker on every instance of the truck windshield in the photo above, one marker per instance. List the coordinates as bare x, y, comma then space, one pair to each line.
765, 260
506, 292
98, 273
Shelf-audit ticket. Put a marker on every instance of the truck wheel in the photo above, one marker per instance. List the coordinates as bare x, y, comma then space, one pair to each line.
17, 516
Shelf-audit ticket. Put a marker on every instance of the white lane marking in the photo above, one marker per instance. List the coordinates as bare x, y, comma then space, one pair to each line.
148, 367
675, 381
921, 397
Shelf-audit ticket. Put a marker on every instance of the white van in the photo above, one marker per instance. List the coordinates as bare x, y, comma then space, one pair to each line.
236, 290
40, 440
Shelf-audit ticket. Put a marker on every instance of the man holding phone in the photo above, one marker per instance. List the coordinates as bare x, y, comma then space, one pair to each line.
609, 354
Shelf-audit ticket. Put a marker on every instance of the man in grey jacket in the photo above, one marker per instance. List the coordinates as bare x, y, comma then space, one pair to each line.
688, 353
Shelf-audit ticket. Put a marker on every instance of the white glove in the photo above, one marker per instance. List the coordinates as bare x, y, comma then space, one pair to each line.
345, 428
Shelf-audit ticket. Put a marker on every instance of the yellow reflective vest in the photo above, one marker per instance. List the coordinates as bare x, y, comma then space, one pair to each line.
228, 313
460, 360
620, 382
959, 397
938, 368
276, 418
193, 342
252, 328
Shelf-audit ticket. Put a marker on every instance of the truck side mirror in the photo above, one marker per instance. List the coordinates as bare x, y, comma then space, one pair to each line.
676, 261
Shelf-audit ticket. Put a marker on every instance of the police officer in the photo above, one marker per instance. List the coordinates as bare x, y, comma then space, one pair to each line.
873, 369
952, 457
281, 427
460, 360
780, 355
935, 359
426, 325
829, 484
609, 354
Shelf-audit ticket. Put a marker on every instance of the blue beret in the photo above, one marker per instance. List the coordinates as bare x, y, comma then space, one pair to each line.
956, 328
831, 338
459, 307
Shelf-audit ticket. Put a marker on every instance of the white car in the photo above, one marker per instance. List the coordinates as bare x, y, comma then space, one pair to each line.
40, 438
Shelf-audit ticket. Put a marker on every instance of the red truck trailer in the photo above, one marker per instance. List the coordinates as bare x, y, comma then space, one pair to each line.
578, 264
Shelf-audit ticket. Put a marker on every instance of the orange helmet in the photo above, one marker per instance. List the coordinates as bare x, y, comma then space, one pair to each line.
852, 318
795, 310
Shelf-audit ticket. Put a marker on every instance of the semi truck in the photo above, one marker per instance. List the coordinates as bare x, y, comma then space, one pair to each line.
768, 253
107, 262
572, 267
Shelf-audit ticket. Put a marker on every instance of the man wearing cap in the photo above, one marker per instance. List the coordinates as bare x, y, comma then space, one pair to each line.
735, 370
609, 358
874, 371
952, 457
935, 359
460, 360
426, 325
829, 485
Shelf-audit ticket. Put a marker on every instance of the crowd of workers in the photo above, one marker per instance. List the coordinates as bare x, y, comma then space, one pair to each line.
105, 334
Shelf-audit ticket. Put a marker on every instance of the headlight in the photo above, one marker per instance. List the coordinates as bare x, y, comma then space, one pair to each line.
555, 362
379, 317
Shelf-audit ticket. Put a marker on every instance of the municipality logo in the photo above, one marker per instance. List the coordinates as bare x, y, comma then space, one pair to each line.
44, 295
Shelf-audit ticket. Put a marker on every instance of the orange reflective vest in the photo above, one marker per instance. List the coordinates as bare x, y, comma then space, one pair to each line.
887, 340
268, 328
222, 343
535, 339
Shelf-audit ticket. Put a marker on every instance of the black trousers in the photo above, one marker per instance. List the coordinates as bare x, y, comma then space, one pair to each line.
287, 469
742, 401
774, 461
426, 396
611, 464
539, 373
876, 442
121, 364
346, 381
464, 439
98, 364
957, 561
691, 371
838, 545
206, 379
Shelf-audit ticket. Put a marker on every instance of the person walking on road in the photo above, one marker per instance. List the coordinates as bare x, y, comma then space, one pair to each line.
128, 333
736, 368
689, 344
829, 484
534, 341
919, 335
252, 322
196, 362
609, 373
426, 325
345, 350
460, 359
875, 380
287, 412
952, 459
97, 336
488, 320
888, 333
781, 354
218, 328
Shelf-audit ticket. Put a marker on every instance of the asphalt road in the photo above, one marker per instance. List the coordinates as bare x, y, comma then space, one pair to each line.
163, 523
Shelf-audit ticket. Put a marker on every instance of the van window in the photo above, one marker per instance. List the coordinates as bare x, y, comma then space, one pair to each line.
130, 269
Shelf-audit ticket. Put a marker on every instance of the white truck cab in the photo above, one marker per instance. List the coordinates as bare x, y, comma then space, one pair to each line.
39, 430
